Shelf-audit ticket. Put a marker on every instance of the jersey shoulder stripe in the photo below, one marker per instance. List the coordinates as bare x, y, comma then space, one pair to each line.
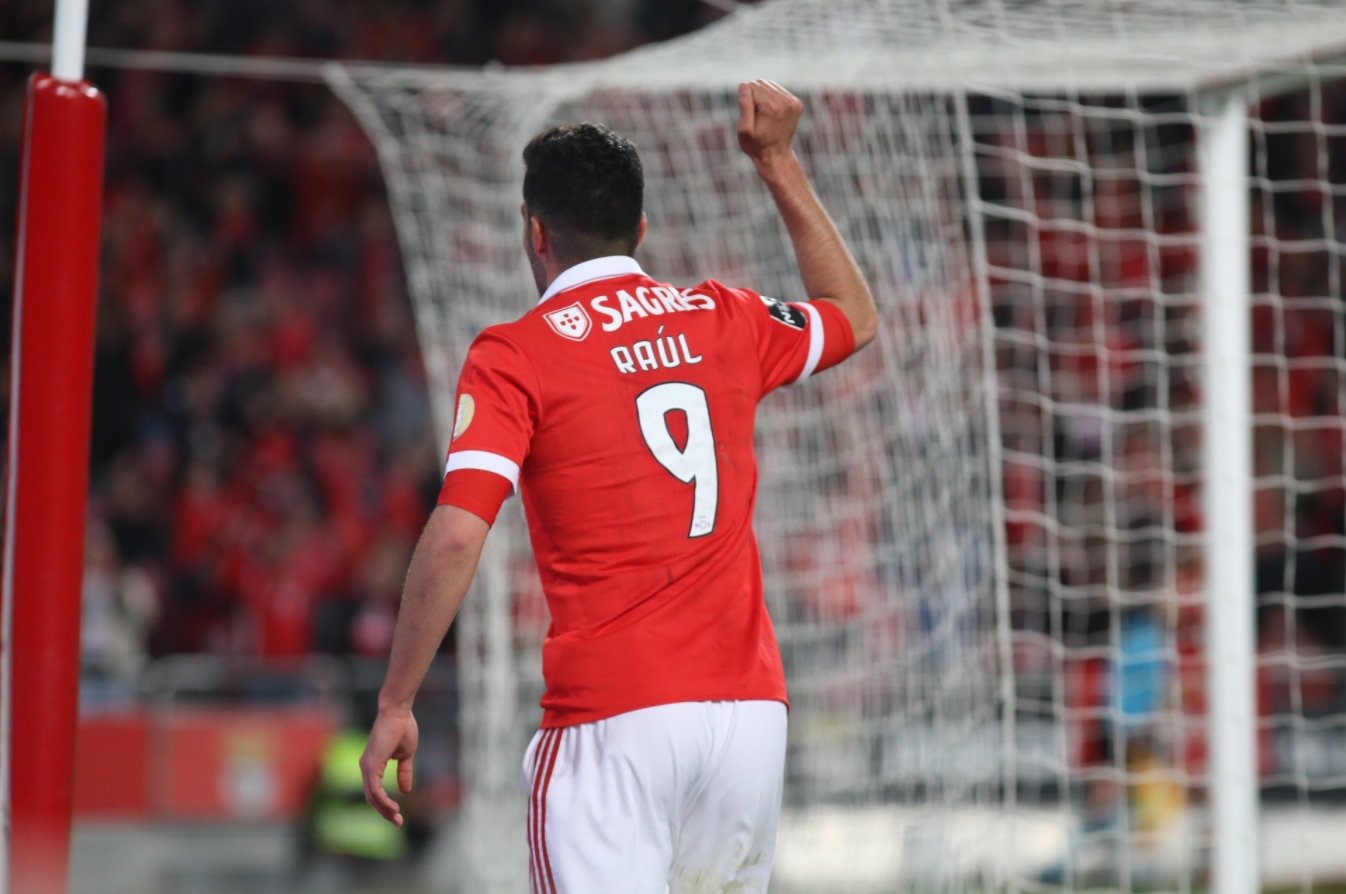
815, 340
484, 461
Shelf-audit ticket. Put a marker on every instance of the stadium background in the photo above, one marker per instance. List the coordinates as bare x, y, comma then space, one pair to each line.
263, 457
262, 449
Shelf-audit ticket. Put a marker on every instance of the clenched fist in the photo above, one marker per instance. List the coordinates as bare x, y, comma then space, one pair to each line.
767, 117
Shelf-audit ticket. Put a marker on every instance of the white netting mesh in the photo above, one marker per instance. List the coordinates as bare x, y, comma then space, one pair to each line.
1090, 214
1299, 407
878, 504
1090, 223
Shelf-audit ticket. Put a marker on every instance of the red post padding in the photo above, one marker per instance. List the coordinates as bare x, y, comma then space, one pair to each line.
51, 390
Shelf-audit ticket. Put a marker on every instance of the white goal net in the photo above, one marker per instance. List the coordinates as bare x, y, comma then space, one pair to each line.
982, 538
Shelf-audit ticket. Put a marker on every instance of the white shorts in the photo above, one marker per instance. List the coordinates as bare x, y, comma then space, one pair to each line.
672, 799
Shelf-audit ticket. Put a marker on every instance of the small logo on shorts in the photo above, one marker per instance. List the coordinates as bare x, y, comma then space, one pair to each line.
571, 322
467, 408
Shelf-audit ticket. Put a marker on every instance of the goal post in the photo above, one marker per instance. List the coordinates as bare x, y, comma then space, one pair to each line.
51, 390
1231, 603
1009, 548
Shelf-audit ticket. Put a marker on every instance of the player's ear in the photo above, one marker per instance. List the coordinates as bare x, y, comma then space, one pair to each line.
644, 225
537, 232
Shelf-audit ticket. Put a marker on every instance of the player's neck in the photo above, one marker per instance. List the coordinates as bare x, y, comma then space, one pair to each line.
556, 267
560, 278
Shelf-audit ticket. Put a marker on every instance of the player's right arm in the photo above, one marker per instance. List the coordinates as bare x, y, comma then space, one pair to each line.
437, 581
497, 409
768, 116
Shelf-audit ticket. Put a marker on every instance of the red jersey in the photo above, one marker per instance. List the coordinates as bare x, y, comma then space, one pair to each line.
623, 410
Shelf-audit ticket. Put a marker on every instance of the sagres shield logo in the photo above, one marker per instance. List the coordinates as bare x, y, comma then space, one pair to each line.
572, 322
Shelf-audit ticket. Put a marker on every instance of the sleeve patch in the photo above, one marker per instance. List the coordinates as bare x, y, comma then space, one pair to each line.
785, 313
467, 408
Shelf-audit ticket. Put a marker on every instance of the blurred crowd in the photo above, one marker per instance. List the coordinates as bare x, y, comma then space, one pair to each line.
1299, 406
263, 455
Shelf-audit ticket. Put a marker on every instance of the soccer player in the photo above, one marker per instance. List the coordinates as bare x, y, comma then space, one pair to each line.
622, 408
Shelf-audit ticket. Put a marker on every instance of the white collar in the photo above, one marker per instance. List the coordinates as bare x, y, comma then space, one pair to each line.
588, 271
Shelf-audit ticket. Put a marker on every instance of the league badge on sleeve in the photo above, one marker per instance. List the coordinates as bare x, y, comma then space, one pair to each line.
790, 316
467, 408
570, 322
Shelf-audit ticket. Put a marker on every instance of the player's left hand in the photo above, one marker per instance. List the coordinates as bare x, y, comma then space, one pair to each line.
394, 737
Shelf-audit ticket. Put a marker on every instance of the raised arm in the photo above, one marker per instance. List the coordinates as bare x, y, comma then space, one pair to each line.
768, 116
441, 571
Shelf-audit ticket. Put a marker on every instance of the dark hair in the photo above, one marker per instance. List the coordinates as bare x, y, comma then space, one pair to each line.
587, 185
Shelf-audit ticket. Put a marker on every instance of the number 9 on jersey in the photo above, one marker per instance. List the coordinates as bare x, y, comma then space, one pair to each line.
693, 464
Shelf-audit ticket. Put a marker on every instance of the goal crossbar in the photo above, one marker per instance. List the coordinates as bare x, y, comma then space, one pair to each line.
1087, 65
948, 57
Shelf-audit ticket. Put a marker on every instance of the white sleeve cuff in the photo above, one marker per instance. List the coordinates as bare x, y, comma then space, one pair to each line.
485, 462
815, 340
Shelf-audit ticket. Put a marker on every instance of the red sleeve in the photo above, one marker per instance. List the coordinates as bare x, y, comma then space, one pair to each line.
480, 493
838, 336
496, 413
796, 340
